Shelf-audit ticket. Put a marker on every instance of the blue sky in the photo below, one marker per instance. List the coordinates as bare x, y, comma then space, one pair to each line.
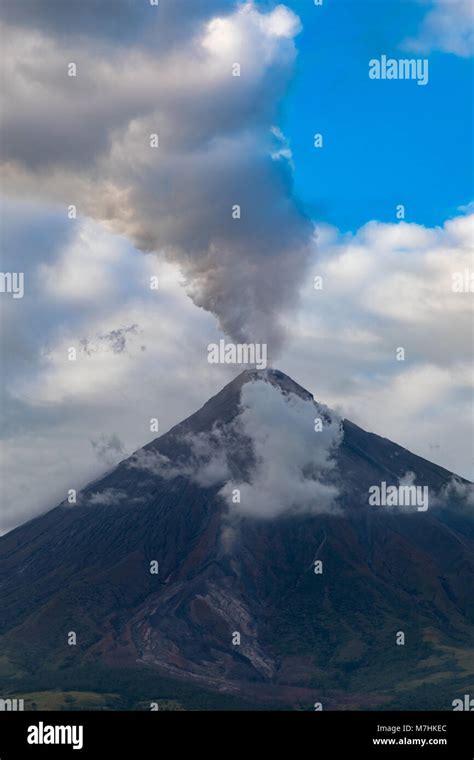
385, 142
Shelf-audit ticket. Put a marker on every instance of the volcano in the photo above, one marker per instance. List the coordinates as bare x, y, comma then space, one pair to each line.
235, 562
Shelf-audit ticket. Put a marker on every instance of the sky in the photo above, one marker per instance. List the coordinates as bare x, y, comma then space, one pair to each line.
165, 212
387, 142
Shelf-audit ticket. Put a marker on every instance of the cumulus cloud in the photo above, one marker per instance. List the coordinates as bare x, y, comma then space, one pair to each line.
82, 272
408, 479
108, 448
217, 149
107, 497
123, 21
292, 461
342, 348
401, 278
56, 406
447, 26
287, 463
388, 286
206, 460
458, 491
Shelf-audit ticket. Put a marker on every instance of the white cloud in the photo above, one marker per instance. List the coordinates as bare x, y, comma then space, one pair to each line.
342, 349
458, 490
105, 498
289, 462
206, 461
447, 26
56, 406
87, 268
107, 448
216, 150
384, 287
397, 282
292, 460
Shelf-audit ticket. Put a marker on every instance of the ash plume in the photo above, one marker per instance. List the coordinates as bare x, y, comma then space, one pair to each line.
182, 157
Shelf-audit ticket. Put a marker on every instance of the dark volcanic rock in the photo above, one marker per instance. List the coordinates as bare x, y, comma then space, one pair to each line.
303, 636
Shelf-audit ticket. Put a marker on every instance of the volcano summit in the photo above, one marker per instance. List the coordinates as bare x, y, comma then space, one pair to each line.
279, 585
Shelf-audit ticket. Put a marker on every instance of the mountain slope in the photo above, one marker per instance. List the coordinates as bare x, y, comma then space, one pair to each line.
227, 569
